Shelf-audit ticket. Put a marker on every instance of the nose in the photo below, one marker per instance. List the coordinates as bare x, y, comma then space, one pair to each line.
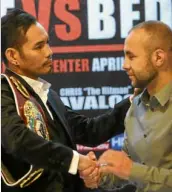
48, 51
126, 65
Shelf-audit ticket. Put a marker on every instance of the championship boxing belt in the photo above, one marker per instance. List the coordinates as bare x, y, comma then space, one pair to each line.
33, 116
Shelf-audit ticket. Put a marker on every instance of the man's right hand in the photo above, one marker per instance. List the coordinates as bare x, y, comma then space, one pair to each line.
86, 162
90, 175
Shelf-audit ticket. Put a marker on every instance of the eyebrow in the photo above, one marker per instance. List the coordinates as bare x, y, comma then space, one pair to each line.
41, 42
128, 53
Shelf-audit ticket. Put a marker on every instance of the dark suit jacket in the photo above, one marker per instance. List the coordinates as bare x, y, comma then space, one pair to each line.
21, 147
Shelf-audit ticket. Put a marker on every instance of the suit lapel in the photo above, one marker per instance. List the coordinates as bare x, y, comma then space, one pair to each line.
53, 102
59, 110
32, 92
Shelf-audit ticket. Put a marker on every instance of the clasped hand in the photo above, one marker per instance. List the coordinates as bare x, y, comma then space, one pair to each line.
111, 161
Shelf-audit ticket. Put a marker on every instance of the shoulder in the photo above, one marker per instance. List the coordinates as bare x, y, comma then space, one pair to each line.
7, 97
4, 83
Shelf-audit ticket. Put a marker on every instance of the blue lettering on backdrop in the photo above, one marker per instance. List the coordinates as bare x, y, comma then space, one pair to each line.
117, 142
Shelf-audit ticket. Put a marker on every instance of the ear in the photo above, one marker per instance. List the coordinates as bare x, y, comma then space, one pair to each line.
12, 55
158, 57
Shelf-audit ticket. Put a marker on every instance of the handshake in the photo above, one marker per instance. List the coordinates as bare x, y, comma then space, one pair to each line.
95, 173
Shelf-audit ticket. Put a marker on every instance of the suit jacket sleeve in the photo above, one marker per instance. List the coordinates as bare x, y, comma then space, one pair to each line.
19, 141
94, 131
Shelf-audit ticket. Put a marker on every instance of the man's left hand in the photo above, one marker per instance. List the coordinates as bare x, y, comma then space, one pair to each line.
116, 162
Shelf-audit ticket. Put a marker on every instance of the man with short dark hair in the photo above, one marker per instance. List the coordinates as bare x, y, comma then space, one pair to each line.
39, 133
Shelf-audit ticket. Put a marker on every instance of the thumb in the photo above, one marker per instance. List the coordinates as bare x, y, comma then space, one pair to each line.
92, 155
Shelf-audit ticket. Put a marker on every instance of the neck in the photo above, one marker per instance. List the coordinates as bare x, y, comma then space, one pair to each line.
18, 72
159, 82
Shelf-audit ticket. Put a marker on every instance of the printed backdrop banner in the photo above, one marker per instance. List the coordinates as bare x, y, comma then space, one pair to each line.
87, 38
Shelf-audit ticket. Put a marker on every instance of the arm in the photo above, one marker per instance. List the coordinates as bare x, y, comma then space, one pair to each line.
94, 131
19, 141
152, 178
148, 177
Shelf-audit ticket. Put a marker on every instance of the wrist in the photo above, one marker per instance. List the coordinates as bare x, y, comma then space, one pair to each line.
81, 161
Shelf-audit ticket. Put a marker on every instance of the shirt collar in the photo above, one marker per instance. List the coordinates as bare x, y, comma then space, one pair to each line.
37, 85
159, 99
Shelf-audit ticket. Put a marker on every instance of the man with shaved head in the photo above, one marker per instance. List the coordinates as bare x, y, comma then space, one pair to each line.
148, 51
147, 157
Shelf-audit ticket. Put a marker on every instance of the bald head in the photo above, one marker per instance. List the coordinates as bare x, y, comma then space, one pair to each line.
148, 55
157, 35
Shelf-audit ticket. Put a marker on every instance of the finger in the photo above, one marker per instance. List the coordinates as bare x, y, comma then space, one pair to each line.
92, 155
106, 162
92, 180
87, 172
85, 162
115, 159
93, 175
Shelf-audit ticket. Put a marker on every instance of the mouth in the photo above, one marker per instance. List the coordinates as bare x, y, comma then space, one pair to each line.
48, 63
129, 75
